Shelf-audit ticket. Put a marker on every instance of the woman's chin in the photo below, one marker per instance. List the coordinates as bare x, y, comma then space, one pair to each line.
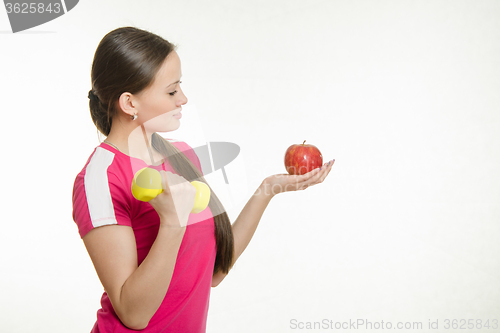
163, 123
163, 129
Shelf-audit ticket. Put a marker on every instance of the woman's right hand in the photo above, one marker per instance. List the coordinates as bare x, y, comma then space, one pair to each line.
176, 201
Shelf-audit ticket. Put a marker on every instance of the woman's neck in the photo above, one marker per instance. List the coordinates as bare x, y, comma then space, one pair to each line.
134, 143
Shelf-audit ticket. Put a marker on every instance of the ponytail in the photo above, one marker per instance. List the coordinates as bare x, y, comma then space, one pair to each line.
100, 114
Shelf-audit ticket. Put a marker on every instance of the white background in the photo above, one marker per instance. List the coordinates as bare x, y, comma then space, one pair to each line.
403, 94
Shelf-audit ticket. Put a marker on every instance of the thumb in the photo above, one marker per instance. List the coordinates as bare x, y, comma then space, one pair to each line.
164, 181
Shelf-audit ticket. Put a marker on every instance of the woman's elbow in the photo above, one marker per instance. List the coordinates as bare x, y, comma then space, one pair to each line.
134, 322
135, 325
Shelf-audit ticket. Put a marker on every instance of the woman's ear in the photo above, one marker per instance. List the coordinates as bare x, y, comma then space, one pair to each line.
127, 104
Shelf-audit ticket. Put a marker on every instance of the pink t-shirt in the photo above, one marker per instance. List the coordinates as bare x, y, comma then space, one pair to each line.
102, 196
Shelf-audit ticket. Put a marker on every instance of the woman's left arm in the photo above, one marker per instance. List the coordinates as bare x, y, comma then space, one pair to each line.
245, 225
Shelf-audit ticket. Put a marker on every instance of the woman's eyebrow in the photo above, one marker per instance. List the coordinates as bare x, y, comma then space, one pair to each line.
173, 83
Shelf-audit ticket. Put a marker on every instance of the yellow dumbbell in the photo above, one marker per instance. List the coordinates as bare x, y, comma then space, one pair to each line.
146, 185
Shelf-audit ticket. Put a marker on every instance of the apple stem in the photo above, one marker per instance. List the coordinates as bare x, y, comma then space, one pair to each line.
304, 142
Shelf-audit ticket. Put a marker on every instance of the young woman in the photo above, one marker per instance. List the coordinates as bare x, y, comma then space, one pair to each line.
155, 260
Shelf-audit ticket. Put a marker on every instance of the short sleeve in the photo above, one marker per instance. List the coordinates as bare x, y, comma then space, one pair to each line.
99, 196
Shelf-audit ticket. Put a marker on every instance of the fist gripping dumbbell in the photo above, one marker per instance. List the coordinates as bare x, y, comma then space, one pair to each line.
146, 185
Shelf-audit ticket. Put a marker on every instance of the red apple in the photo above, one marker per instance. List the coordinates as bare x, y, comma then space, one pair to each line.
300, 159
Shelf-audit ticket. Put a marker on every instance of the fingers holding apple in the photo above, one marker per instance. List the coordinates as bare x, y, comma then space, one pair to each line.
286, 183
318, 177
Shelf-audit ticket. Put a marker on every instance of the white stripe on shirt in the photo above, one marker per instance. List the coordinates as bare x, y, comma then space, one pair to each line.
99, 201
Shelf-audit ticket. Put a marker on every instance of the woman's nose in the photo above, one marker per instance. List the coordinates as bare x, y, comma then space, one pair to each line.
182, 100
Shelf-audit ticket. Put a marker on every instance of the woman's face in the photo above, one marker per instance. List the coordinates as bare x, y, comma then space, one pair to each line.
159, 106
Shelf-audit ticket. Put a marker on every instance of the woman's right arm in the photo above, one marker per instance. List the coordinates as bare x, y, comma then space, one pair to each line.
136, 292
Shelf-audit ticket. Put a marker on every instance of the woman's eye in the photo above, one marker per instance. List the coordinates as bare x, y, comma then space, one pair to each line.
175, 91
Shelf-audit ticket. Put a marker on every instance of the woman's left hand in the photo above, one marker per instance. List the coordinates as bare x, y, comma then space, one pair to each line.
285, 183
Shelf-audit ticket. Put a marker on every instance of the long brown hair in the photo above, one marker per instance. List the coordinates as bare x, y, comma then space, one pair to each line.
127, 60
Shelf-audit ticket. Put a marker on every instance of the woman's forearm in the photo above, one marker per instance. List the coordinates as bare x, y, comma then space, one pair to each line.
245, 225
146, 288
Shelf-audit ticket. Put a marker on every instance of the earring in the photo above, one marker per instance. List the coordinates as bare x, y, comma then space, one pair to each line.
134, 117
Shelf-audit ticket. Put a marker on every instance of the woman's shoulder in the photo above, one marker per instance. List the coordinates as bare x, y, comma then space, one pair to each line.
187, 150
181, 145
105, 162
